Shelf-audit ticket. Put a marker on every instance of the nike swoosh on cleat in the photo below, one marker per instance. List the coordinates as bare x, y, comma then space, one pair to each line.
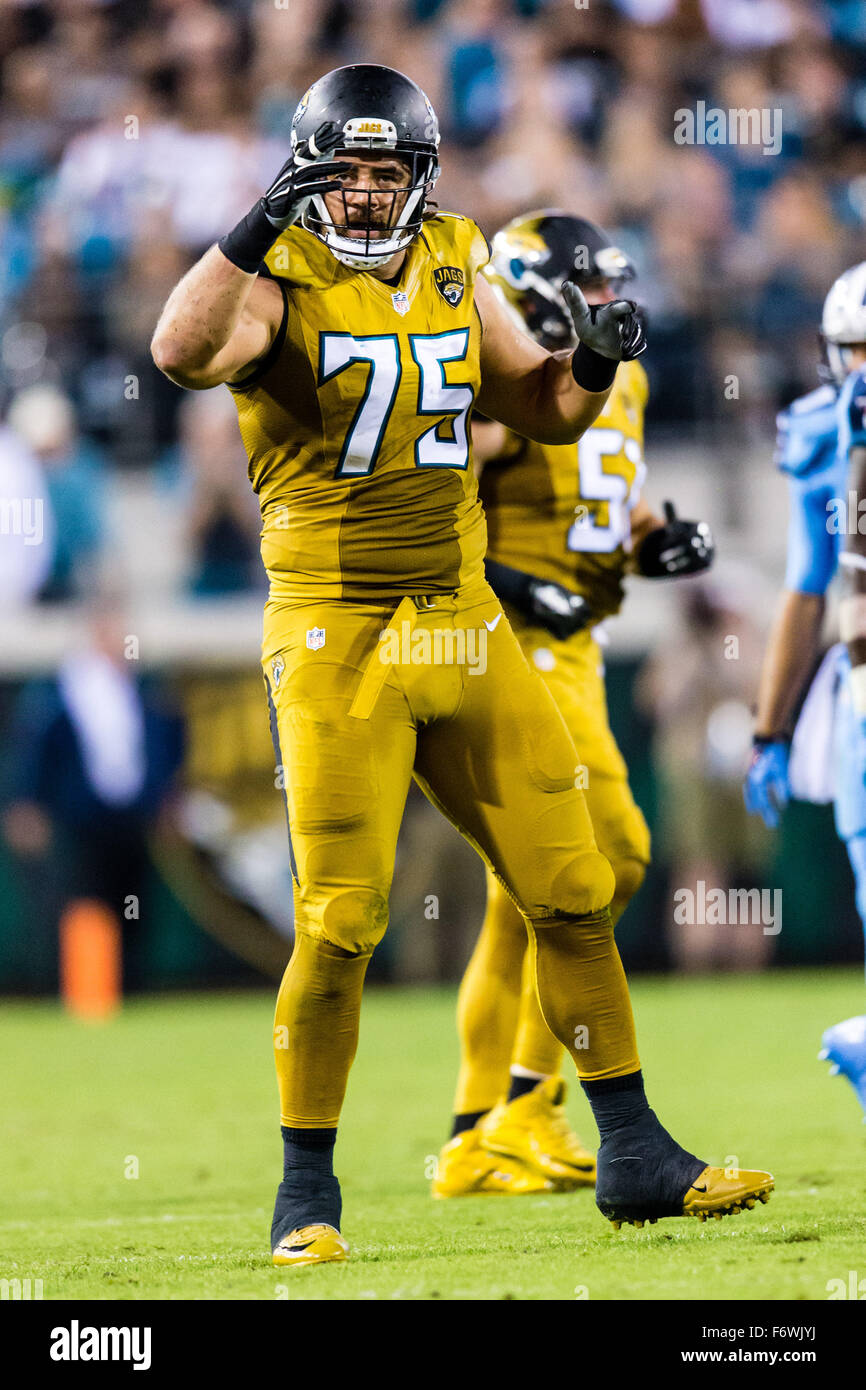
491, 626
699, 1189
628, 1158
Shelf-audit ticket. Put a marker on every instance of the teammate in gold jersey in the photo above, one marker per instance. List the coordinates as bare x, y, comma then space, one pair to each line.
565, 524
355, 355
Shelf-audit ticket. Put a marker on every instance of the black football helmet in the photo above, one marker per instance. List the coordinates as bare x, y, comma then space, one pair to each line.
533, 255
380, 111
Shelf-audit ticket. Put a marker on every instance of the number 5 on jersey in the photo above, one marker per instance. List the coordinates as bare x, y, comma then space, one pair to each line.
381, 356
598, 447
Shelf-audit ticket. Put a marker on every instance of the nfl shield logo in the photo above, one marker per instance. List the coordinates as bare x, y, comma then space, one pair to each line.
400, 302
315, 638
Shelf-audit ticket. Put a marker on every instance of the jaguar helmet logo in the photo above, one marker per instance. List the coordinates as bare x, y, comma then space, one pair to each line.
301, 106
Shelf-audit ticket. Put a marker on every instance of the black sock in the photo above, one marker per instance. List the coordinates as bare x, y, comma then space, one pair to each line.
308, 1148
616, 1102
309, 1194
642, 1170
522, 1085
466, 1121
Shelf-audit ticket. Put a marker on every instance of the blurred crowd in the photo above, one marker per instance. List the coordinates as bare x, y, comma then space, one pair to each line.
133, 133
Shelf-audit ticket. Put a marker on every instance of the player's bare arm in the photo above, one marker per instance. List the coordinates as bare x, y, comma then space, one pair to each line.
789, 660
489, 442
643, 520
218, 322
852, 561
536, 393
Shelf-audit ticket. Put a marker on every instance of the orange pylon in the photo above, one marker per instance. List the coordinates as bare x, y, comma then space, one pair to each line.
90, 959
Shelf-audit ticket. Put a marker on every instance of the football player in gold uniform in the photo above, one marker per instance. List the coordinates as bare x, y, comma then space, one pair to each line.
355, 355
565, 524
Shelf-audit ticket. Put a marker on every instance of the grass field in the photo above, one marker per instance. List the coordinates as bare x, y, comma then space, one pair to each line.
181, 1091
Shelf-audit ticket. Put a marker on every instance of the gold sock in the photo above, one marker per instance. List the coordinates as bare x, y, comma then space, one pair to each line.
488, 1004
584, 995
536, 1048
316, 1031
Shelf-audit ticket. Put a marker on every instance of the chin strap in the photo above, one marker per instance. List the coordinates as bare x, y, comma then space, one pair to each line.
359, 262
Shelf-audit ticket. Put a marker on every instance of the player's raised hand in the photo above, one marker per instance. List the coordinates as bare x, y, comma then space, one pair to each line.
678, 547
303, 176
616, 331
766, 788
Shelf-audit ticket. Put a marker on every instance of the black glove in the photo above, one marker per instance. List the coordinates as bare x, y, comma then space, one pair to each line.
300, 179
557, 608
616, 330
550, 605
678, 547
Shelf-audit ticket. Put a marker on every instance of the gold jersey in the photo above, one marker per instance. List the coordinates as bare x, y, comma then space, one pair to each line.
563, 511
356, 422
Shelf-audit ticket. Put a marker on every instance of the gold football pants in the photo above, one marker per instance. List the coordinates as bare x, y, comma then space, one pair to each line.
449, 695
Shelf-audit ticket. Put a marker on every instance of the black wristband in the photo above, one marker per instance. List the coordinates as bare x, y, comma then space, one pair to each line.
247, 244
761, 740
592, 371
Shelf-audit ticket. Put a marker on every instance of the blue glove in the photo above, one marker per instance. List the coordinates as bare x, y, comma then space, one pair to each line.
765, 789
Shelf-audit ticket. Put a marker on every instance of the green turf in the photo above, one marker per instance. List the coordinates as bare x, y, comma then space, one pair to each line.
185, 1086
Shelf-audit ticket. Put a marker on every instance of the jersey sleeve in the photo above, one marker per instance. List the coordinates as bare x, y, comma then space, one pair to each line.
811, 543
641, 383
641, 393
300, 260
479, 250
806, 433
277, 264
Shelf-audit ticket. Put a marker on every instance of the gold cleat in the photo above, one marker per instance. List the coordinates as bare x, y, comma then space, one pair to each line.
713, 1194
534, 1129
466, 1169
309, 1245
